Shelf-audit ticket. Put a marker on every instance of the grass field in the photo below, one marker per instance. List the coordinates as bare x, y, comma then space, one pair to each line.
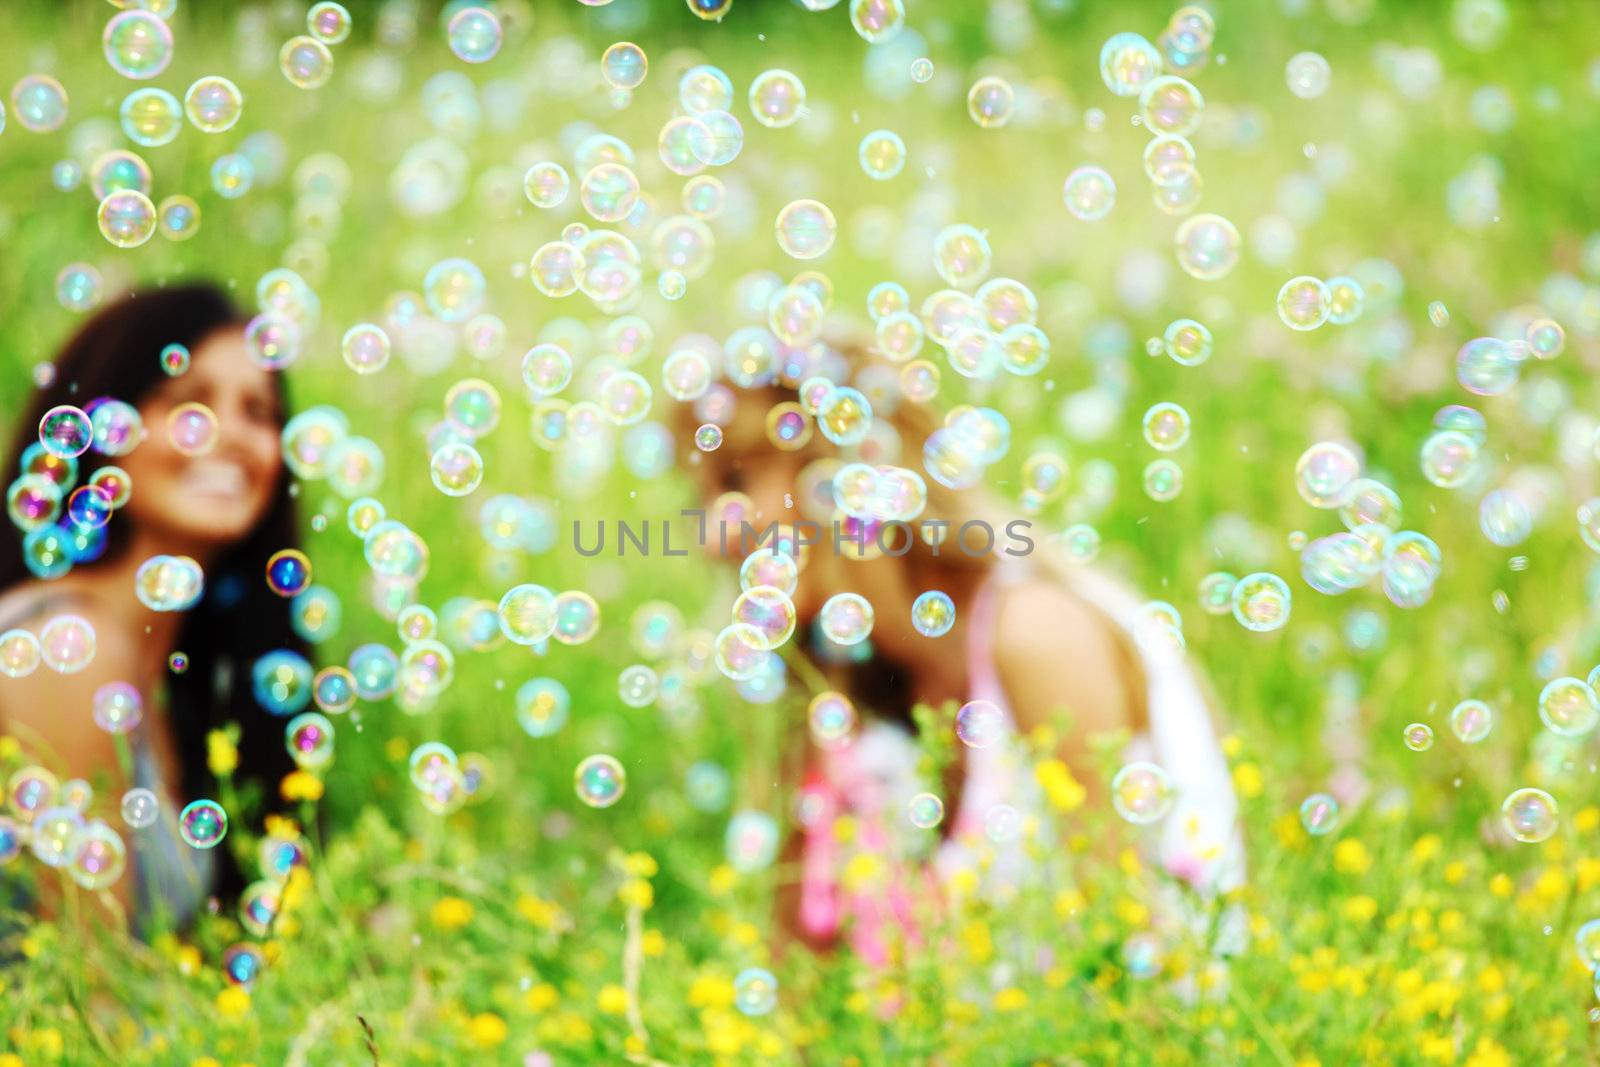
526, 925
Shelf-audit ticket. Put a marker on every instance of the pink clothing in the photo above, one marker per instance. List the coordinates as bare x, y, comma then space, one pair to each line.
873, 776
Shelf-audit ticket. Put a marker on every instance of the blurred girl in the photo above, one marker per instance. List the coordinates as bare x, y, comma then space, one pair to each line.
228, 508
1033, 636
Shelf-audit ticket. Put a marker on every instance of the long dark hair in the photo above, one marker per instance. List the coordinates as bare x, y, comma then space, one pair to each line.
116, 353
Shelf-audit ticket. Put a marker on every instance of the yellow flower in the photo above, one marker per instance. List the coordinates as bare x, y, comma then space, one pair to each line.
233, 1003
1426, 847
636, 893
1587, 818
540, 912
975, 936
710, 991
1439, 1047
1247, 780
10, 749
861, 872
1064, 792
1501, 885
722, 880
1232, 745
1455, 872
1359, 909
1551, 884
300, 785
1488, 1053
396, 749
188, 958
1350, 856
1587, 872
653, 943
275, 825
640, 865
541, 997
1010, 999
612, 999
9, 1059
486, 1029
451, 913
1068, 903
1491, 979
222, 755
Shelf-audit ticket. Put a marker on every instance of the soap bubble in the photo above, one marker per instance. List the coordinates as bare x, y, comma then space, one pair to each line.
1530, 815
1319, 814
1089, 193
1307, 74
600, 781
1142, 793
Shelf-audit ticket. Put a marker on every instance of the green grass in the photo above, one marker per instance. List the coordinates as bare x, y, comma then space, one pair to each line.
1465, 947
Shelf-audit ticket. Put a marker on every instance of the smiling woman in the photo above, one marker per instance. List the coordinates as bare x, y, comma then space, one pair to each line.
153, 530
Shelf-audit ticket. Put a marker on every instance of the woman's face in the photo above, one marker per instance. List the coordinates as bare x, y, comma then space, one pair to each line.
218, 497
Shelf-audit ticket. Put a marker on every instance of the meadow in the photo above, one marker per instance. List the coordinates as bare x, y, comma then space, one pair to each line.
1449, 166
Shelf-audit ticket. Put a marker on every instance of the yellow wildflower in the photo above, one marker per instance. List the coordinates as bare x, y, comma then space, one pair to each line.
486, 1030
541, 997
1010, 999
1350, 856
636, 893
222, 755
1064, 792
1359, 909
1586, 819
1488, 1053
612, 999
975, 936
722, 880
1247, 780
710, 991
451, 913
10, 749
233, 1003
1501, 885
640, 865
653, 943
1455, 872
300, 785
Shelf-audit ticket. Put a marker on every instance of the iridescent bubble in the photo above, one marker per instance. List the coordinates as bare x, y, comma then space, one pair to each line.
528, 614
1089, 193
777, 98
882, 155
708, 438
1530, 815
991, 101
118, 708
1169, 160
546, 184
202, 824
333, 689
309, 739
1307, 74
1569, 707
1142, 793
624, 65
1471, 721
1545, 338
178, 217
1418, 737
1187, 342
1504, 518
925, 811
474, 34
1319, 814
137, 44
922, 70
600, 781
151, 117
609, 192
638, 685
66, 431
1171, 105
1162, 480
456, 469
213, 104
980, 723
1325, 474
877, 21
739, 651
53, 833
67, 644
577, 617
328, 21
704, 88
127, 218
805, 229
192, 428
832, 718
288, 572
1261, 602
769, 612
281, 682
305, 62
1487, 366
1450, 459
933, 613
1346, 297
845, 417
1303, 303
1207, 246
542, 706
1128, 63
140, 808
755, 992
40, 103
962, 256
1166, 426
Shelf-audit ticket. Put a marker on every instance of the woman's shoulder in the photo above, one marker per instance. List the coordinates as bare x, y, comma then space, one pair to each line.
1054, 650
